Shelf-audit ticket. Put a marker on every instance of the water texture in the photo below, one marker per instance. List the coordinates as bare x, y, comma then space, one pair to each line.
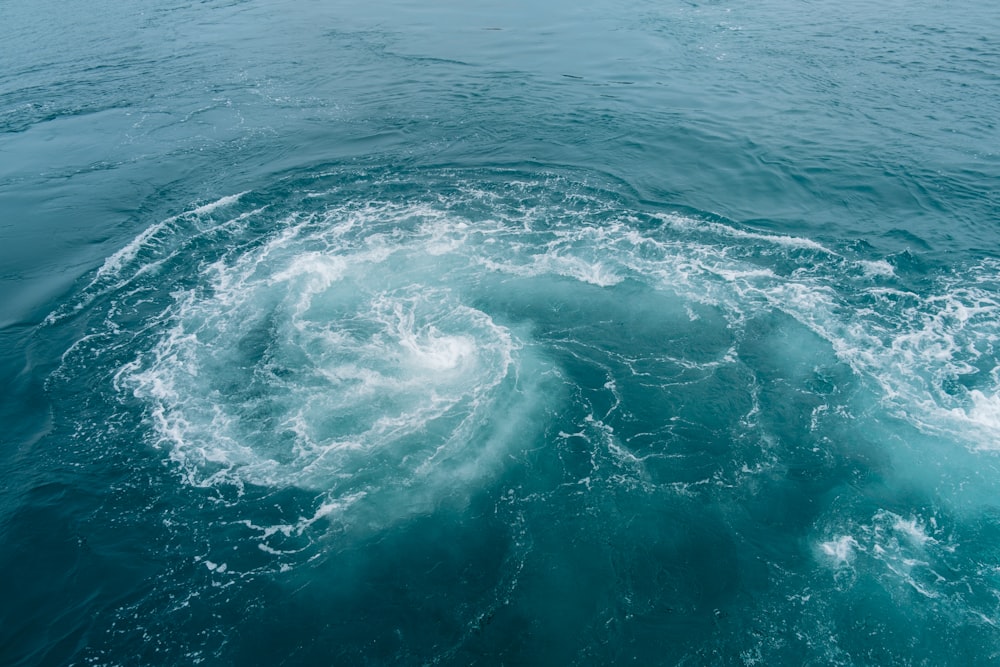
521, 334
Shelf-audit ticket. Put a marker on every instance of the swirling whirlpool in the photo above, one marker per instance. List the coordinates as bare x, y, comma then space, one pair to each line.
656, 416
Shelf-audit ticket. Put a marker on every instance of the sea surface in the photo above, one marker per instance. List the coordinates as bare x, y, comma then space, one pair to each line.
500, 333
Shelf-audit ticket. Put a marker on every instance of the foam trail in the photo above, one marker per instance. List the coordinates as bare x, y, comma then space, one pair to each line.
114, 263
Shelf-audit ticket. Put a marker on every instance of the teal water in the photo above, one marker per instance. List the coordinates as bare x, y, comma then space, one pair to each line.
521, 334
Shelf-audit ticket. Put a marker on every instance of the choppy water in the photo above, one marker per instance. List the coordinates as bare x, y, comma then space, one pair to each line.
656, 333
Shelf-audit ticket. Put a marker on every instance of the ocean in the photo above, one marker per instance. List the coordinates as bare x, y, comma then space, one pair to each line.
549, 333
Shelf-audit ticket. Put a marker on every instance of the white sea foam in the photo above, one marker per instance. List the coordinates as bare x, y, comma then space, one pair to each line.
911, 529
840, 550
913, 554
880, 268
985, 411
114, 263
205, 209
594, 273
796, 242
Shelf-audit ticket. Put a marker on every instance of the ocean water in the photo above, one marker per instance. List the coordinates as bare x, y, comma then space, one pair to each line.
655, 333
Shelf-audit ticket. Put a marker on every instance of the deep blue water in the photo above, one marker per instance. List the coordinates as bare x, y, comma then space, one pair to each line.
661, 333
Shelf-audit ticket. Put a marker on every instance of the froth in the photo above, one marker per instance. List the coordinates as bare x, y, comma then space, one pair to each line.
337, 363
840, 550
907, 553
983, 414
119, 259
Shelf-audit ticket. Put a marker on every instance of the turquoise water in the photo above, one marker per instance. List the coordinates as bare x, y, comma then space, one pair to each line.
521, 334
